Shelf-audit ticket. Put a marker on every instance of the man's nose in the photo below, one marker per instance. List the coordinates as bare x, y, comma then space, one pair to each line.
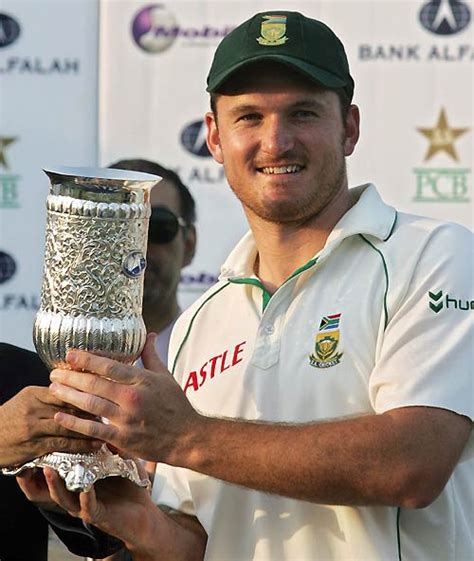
277, 137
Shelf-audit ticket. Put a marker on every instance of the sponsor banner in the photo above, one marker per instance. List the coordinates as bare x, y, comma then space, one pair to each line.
48, 73
413, 65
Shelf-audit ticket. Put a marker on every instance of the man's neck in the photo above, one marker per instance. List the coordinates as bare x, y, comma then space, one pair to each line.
283, 248
158, 317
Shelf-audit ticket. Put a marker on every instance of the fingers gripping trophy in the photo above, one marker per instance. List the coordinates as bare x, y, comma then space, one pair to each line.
91, 298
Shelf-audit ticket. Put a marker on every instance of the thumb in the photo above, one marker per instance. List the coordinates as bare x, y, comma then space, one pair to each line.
150, 358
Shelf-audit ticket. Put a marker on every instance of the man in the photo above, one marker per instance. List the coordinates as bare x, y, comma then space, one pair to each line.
319, 410
171, 247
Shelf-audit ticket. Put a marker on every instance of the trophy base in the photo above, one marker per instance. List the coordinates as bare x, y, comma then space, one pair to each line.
81, 471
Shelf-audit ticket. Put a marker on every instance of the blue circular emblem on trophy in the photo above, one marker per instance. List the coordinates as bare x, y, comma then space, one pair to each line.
134, 264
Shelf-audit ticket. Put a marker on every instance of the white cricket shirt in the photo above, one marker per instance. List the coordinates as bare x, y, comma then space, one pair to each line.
381, 318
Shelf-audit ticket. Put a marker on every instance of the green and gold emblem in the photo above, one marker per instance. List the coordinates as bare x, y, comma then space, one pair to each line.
272, 31
327, 339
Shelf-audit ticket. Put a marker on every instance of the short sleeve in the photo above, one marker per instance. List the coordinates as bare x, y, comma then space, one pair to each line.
427, 354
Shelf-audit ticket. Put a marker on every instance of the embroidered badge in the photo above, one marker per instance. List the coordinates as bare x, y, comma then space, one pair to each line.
272, 31
327, 339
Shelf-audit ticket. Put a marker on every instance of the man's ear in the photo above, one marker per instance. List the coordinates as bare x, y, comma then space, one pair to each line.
189, 245
352, 130
213, 139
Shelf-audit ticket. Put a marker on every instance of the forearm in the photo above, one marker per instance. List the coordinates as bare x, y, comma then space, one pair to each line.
168, 536
375, 459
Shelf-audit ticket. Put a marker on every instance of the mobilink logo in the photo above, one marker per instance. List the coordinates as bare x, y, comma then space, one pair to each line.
438, 301
155, 29
445, 17
7, 267
193, 138
9, 30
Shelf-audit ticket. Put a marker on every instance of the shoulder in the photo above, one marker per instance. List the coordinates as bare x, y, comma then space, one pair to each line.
420, 229
198, 304
415, 239
186, 319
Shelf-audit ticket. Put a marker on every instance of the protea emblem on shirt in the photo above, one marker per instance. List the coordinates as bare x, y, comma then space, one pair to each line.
327, 340
272, 31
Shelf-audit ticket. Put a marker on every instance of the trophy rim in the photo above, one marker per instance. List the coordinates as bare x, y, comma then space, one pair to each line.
101, 173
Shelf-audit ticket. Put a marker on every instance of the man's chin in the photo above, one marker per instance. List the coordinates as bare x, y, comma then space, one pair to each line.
283, 212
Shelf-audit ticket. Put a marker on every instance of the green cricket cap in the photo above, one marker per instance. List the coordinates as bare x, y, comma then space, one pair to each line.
304, 44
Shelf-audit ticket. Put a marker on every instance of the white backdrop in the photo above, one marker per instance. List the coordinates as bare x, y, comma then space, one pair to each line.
48, 115
412, 61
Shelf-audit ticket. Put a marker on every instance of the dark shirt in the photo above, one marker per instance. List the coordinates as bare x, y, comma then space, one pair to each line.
23, 531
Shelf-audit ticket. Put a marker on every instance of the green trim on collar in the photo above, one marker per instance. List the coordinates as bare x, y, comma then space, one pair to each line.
266, 296
304, 268
255, 282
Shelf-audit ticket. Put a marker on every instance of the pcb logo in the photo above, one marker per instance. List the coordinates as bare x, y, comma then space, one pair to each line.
327, 339
272, 31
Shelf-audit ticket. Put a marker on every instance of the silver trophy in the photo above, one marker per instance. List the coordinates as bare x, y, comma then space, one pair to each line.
91, 299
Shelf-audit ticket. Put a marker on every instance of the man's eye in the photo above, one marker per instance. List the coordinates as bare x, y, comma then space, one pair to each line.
249, 117
304, 114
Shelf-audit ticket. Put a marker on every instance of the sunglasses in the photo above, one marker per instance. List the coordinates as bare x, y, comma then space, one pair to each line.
164, 225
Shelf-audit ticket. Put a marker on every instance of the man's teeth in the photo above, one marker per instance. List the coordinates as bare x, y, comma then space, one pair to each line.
282, 169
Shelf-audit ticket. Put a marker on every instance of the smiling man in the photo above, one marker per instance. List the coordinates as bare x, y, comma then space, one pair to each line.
320, 408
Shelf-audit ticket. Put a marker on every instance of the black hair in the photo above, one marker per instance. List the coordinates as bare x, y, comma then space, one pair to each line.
186, 201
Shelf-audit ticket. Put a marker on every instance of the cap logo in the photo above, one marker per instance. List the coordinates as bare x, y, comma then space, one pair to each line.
272, 31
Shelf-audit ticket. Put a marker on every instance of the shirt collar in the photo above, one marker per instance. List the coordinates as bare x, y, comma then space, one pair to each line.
369, 216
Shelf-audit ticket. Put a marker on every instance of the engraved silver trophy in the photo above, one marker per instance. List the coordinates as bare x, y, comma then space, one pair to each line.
91, 299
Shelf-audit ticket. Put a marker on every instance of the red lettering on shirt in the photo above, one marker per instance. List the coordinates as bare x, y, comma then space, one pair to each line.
213, 367
212, 362
191, 382
203, 373
237, 351
223, 364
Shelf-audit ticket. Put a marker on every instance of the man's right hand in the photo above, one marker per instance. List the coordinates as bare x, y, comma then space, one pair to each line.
27, 428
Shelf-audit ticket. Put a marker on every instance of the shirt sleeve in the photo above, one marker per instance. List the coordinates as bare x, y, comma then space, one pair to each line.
171, 488
426, 357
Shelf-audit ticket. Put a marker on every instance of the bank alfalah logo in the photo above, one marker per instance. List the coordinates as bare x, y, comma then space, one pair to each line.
445, 17
193, 138
9, 30
7, 267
